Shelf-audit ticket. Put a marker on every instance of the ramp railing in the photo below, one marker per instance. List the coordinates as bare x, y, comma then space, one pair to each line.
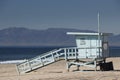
48, 58
39, 61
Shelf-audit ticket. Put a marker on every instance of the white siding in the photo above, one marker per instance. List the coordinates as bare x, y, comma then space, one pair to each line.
90, 45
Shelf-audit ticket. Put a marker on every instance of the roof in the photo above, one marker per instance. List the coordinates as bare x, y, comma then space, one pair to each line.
91, 34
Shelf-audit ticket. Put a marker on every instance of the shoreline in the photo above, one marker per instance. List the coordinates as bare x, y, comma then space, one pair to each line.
12, 61
23, 60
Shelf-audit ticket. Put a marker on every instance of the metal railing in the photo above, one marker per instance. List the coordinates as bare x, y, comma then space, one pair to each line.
39, 61
52, 56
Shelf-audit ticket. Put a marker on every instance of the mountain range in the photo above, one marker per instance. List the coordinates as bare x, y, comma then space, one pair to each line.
49, 37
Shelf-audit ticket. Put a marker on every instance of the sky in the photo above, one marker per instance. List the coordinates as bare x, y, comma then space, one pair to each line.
76, 14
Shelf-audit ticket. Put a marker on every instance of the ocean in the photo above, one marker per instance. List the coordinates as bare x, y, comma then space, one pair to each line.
20, 53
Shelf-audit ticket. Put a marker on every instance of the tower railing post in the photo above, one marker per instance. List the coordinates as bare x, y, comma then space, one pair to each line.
65, 52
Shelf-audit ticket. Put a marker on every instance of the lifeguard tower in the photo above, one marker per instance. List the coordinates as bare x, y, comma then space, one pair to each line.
92, 49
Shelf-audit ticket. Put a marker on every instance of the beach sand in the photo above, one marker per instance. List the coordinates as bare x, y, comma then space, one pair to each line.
57, 71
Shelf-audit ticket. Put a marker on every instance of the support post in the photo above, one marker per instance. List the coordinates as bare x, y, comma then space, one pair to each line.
58, 57
95, 64
29, 65
41, 61
75, 53
78, 67
53, 56
68, 66
65, 51
17, 69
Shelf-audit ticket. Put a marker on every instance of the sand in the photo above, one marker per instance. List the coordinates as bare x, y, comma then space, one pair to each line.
57, 71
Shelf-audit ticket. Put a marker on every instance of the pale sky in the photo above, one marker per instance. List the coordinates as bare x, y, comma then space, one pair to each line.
77, 14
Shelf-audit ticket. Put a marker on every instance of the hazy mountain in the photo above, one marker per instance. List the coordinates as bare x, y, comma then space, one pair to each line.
49, 37
115, 40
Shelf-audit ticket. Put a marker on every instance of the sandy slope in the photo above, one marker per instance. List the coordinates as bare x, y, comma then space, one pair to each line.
57, 71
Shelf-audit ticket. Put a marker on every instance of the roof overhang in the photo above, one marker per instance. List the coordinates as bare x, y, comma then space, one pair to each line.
87, 34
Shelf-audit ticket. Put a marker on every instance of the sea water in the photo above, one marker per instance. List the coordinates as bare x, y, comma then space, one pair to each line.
18, 53
114, 51
23, 53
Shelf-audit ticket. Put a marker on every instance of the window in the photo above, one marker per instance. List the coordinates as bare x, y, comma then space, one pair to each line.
82, 41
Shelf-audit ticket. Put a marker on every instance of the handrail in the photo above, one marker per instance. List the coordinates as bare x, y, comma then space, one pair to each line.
38, 56
81, 48
49, 57
31, 63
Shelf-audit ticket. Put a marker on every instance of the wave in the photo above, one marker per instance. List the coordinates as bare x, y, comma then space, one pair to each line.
12, 61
